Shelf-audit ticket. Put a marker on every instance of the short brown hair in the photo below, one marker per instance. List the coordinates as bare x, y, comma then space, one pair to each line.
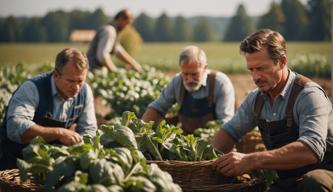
125, 13
71, 55
265, 38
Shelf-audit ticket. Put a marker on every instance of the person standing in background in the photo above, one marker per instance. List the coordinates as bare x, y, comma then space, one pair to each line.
106, 43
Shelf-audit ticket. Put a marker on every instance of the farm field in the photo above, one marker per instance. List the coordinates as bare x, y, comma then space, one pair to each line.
164, 56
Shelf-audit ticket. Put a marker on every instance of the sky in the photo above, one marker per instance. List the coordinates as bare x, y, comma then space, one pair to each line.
153, 8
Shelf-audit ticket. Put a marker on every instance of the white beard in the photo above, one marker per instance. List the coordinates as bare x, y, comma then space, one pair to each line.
191, 88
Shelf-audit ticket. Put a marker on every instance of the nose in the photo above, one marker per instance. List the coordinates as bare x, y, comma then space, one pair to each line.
189, 78
255, 75
76, 86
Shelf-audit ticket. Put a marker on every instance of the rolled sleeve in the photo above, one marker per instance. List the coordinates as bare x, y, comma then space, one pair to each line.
168, 97
243, 121
21, 110
225, 98
87, 124
314, 109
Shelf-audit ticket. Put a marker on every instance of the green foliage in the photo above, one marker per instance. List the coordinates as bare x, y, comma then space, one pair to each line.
10, 79
296, 20
163, 28
221, 56
209, 131
166, 142
128, 90
10, 30
202, 31
320, 20
240, 26
273, 19
144, 24
56, 24
94, 20
91, 167
311, 65
34, 31
131, 40
182, 30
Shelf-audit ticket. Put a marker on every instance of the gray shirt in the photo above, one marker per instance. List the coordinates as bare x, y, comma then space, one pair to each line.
312, 112
24, 102
224, 95
106, 43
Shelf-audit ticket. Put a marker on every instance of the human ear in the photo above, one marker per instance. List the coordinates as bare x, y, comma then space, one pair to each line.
283, 61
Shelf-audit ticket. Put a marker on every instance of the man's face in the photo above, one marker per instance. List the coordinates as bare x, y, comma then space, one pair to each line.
265, 73
69, 80
122, 23
192, 74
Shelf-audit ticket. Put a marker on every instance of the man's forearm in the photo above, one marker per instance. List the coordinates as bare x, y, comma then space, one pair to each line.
64, 136
124, 56
223, 141
48, 133
291, 156
108, 63
152, 115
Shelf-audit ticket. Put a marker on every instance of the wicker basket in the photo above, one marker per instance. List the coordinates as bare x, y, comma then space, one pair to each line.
201, 176
10, 182
251, 142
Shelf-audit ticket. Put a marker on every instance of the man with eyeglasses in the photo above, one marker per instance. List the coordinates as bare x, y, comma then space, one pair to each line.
57, 106
202, 94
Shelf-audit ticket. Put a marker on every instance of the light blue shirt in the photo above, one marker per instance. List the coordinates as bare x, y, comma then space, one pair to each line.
24, 102
312, 112
224, 95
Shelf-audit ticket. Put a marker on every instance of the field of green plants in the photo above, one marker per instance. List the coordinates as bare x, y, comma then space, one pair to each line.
164, 56
116, 160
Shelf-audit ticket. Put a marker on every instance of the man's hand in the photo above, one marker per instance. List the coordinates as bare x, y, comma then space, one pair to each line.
69, 137
234, 164
50, 134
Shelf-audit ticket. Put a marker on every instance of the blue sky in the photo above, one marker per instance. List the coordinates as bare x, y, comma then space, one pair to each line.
151, 7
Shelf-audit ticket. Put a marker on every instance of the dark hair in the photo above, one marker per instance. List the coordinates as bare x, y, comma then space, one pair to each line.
71, 55
125, 13
265, 38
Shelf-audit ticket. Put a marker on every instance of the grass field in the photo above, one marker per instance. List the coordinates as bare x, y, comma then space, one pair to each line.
164, 56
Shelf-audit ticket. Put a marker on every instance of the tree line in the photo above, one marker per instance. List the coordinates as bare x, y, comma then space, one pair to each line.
296, 21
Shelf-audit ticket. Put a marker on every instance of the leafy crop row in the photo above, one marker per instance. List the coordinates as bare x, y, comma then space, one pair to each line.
10, 79
90, 166
128, 90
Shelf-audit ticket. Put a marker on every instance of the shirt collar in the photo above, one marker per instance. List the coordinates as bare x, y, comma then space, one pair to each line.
204, 78
53, 87
284, 92
291, 77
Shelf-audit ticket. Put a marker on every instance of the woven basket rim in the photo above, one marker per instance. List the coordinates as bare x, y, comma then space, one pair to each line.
172, 162
174, 167
10, 178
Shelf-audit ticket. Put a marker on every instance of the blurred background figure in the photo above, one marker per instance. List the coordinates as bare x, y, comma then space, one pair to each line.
106, 43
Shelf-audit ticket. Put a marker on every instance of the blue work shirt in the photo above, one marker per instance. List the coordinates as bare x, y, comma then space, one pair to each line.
224, 95
312, 113
24, 102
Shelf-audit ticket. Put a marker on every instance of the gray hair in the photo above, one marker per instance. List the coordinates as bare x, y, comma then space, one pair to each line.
192, 54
